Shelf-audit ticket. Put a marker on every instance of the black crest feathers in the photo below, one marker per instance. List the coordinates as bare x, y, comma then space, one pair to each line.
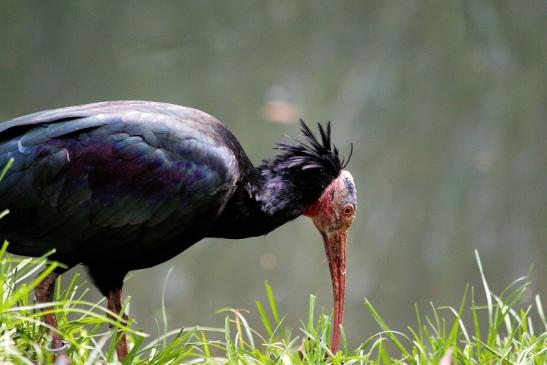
300, 171
289, 182
312, 153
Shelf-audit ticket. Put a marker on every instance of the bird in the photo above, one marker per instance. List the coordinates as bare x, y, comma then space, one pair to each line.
125, 185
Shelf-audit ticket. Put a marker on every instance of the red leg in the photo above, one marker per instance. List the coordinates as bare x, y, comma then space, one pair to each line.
44, 294
114, 304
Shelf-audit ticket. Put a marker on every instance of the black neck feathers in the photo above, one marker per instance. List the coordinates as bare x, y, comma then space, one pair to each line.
279, 189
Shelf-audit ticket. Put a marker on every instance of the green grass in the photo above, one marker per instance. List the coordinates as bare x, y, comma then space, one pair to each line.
513, 334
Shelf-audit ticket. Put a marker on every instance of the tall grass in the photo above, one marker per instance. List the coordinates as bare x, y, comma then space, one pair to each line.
511, 333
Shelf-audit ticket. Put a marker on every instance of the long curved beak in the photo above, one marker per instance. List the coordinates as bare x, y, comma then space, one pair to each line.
335, 248
333, 214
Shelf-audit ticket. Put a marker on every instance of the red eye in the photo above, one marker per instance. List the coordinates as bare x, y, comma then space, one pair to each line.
348, 210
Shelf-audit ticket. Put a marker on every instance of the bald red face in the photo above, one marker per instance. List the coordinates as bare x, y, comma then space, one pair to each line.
333, 213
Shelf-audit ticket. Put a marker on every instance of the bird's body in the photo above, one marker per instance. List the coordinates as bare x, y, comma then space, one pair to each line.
119, 186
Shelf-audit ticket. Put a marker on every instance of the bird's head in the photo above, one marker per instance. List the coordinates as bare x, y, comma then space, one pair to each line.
308, 177
315, 184
333, 213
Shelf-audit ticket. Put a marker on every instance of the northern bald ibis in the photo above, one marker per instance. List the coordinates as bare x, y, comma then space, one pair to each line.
126, 185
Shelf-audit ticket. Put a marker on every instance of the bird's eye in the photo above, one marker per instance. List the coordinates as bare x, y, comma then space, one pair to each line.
348, 210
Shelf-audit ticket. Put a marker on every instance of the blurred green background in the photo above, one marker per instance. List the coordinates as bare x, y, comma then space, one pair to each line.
445, 103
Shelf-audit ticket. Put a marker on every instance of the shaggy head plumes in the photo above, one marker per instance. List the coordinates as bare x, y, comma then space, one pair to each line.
311, 154
300, 172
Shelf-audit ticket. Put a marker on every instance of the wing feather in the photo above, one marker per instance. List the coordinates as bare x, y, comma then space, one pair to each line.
122, 173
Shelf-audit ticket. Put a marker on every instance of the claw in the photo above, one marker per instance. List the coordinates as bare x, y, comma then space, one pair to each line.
60, 349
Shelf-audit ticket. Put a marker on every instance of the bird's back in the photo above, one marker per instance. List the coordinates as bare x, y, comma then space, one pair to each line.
115, 181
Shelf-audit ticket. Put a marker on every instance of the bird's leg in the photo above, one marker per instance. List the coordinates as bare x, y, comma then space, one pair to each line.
44, 294
114, 304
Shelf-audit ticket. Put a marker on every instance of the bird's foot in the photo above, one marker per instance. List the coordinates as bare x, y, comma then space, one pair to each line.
58, 346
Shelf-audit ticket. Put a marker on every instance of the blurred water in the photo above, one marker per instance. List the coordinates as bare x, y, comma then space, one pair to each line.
444, 102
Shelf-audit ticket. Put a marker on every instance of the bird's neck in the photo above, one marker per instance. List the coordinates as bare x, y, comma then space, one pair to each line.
267, 197
277, 191
258, 206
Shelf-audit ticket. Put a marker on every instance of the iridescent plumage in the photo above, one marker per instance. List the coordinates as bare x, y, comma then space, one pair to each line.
124, 185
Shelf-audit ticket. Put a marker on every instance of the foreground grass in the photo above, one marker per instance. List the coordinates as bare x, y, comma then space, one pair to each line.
513, 335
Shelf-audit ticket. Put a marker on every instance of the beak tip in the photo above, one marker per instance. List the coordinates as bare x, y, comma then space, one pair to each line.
335, 248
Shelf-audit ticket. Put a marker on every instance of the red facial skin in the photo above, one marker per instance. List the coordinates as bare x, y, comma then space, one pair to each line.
333, 213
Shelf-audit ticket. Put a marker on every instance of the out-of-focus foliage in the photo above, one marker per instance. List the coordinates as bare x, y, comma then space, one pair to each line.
444, 102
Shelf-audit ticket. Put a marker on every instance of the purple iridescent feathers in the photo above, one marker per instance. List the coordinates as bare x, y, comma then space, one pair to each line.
122, 174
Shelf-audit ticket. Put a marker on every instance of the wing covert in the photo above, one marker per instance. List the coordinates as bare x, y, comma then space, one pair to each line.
123, 172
